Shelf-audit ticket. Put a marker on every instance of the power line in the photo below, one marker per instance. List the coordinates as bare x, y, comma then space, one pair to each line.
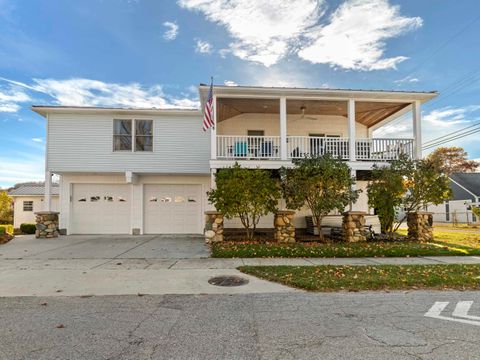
457, 137
450, 134
444, 44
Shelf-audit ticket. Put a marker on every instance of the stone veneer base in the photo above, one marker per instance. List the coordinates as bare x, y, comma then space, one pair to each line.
353, 226
46, 224
284, 228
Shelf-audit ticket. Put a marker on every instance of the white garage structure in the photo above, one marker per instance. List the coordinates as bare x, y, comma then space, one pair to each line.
141, 204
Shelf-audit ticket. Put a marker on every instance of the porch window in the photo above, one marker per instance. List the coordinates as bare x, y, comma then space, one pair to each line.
28, 206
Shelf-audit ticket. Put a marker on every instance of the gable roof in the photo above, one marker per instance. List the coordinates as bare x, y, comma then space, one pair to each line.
33, 190
470, 181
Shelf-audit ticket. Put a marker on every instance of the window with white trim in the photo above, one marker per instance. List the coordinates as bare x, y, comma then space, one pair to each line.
132, 135
28, 206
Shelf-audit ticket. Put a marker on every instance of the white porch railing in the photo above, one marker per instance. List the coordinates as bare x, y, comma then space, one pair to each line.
301, 146
268, 147
248, 147
383, 149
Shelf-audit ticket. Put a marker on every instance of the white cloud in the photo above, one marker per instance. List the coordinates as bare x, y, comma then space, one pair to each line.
11, 97
38, 140
171, 31
230, 83
449, 116
87, 92
265, 31
202, 47
261, 29
355, 36
407, 79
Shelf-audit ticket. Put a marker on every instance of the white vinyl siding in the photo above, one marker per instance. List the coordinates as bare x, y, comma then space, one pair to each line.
84, 143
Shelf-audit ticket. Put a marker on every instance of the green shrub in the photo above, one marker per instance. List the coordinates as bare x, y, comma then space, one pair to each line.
7, 229
28, 228
2, 231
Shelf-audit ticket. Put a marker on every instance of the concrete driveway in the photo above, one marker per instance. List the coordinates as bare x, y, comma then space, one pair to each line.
106, 247
116, 265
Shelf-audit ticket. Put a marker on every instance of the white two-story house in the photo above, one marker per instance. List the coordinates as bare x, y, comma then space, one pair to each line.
147, 171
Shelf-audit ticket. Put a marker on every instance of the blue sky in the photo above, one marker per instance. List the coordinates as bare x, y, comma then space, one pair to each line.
155, 52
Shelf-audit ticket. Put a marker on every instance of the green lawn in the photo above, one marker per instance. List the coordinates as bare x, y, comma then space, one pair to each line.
355, 278
446, 243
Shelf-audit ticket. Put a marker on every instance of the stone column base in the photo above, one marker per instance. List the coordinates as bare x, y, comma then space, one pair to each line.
420, 226
46, 224
213, 226
284, 228
353, 226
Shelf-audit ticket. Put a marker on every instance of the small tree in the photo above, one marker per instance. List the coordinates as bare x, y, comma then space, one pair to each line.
452, 159
408, 184
385, 193
323, 184
245, 193
6, 210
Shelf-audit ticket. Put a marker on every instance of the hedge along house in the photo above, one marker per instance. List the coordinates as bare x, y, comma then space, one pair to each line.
28, 199
147, 171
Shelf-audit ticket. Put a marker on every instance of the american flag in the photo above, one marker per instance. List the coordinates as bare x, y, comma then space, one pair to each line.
208, 121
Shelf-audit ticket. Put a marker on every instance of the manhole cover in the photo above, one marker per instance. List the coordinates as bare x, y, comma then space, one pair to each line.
228, 281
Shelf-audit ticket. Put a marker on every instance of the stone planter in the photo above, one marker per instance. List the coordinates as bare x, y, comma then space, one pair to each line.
213, 226
353, 226
46, 224
420, 226
284, 228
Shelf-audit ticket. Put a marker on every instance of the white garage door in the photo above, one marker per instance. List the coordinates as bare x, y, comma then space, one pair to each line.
172, 209
101, 209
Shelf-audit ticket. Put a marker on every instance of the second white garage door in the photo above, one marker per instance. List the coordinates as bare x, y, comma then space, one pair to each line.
173, 209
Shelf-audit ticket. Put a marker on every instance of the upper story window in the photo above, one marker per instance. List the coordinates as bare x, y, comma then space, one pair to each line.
132, 135
28, 206
143, 135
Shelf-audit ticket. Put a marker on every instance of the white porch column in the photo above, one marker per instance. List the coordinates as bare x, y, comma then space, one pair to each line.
47, 201
213, 131
283, 128
213, 183
417, 130
351, 130
353, 174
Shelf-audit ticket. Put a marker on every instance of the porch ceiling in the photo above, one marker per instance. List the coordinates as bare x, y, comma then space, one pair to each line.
367, 113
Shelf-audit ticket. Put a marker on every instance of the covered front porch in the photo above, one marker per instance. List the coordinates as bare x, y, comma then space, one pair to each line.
277, 125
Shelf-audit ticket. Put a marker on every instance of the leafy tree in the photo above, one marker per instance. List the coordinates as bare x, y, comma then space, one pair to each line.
322, 183
245, 193
452, 159
385, 193
408, 184
476, 211
6, 210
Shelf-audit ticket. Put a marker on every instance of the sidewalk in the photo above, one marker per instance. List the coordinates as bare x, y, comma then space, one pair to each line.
85, 277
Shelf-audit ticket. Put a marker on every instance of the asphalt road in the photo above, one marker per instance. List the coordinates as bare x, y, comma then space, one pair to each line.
250, 326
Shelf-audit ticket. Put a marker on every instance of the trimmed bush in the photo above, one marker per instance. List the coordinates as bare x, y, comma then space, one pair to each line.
28, 228
7, 229
2, 231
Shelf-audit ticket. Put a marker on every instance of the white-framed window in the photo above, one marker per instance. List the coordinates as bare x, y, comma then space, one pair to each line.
28, 205
132, 135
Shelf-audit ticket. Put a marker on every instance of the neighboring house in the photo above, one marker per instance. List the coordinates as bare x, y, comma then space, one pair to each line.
465, 192
28, 199
146, 171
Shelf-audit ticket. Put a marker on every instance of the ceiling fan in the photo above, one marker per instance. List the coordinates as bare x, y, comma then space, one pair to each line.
302, 109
